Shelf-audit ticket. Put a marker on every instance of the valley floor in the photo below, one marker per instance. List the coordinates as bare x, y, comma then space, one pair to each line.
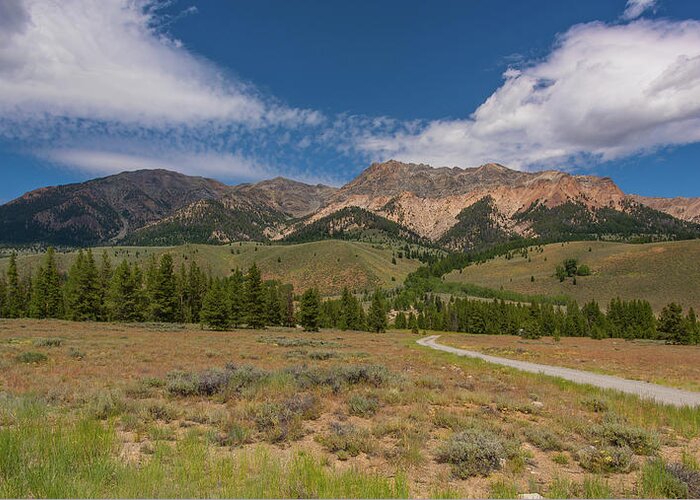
95, 410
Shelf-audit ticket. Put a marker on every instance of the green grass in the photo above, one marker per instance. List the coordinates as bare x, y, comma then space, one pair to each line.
47, 455
328, 265
657, 272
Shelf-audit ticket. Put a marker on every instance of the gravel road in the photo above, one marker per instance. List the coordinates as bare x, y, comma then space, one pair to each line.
659, 393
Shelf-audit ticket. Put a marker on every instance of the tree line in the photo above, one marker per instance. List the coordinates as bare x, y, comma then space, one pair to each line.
97, 291
633, 319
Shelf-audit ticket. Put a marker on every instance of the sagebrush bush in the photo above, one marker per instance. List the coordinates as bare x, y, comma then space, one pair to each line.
48, 342
544, 439
32, 357
606, 459
181, 383
615, 433
688, 476
595, 404
473, 452
346, 440
106, 404
363, 406
75, 353
281, 421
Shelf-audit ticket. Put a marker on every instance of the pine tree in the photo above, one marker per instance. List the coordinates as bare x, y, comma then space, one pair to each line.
287, 305
104, 283
693, 326
400, 321
3, 295
309, 310
272, 304
125, 295
13, 292
254, 299
673, 325
236, 298
376, 317
350, 314
82, 289
164, 292
215, 308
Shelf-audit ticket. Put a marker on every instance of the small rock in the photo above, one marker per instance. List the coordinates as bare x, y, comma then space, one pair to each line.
530, 496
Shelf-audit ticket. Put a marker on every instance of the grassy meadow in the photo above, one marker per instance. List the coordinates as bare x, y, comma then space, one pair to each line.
657, 272
329, 265
153, 410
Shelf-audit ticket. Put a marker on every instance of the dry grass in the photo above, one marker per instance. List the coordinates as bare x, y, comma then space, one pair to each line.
286, 406
658, 272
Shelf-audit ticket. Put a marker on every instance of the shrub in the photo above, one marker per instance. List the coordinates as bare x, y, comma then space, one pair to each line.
235, 435
161, 411
596, 405
346, 440
473, 452
32, 357
181, 383
322, 355
618, 434
544, 439
213, 381
75, 353
363, 406
666, 481
688, 476
106, 404
48, 342
282, 421
605, 459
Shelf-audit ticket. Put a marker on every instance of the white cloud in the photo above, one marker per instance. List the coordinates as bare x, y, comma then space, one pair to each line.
604, 92
636, 8
102, 162
104, 60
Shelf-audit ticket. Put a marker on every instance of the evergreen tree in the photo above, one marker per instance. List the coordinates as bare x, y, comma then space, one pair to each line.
83, 289
376, 317
215, 308
13, 292
3, 295
693, 326
104, 283
400, 321
125, 295
350, 314
256, 314
287, 305
272, 304
309, 310
163, 294
673, 325
236, 298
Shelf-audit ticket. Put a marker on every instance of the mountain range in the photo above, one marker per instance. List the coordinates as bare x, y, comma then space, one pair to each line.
452, 208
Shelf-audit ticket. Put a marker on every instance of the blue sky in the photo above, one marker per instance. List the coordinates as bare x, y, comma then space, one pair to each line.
316, 90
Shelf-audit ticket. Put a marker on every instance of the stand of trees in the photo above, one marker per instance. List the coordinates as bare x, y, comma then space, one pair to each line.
623, 319
96, 291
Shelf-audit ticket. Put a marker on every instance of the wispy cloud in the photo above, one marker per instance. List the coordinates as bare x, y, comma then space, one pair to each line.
636, 8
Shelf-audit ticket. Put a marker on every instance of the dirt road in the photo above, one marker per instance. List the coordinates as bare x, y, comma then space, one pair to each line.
659, 393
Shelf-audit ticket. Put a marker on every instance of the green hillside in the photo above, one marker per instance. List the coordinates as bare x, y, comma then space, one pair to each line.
328, 265
657, 272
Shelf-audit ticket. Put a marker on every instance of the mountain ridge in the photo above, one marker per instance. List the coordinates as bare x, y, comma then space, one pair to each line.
423, 202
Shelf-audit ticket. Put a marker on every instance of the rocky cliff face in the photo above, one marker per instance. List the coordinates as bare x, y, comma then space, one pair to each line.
428, 200
687, 209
